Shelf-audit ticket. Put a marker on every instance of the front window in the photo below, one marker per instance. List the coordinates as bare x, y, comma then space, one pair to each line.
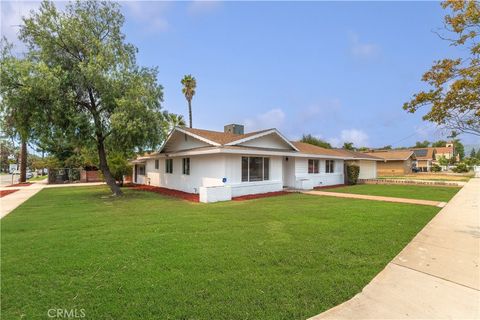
157, 164
186, 166
141, 170
169, 166
329, 166
255, 169
313, 165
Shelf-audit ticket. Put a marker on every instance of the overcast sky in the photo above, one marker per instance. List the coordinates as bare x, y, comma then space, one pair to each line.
340, 71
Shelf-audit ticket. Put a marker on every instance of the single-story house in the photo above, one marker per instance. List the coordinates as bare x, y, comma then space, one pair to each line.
221, 165
394, 162
366, 162
424, 158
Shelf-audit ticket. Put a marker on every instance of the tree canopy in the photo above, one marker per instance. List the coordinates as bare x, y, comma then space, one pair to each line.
308, 138
439, 143
454, 94
104, 98
422, 144
189, 89
348, 146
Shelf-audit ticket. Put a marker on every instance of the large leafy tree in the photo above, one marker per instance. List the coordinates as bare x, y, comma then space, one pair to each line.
105, 99
189, 86
454, 94
23, 94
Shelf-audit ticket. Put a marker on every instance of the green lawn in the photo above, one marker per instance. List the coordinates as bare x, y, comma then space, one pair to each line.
145, 256
401, 191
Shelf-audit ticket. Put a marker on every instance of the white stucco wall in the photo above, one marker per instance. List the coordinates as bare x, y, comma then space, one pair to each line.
233, 173
319, 179
209, 170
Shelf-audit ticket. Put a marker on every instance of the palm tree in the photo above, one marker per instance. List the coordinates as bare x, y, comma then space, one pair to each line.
173, 120
189, 85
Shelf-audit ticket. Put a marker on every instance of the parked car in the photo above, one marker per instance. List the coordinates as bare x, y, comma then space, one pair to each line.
29, 174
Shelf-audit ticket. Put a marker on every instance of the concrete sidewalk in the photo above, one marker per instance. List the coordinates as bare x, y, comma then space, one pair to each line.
377, 198
12, 201
436, 276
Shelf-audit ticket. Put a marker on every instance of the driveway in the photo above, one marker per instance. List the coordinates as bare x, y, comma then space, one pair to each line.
436, 276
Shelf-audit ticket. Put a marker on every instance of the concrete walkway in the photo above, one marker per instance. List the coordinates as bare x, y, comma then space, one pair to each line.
436, 276
10, 202
377, 198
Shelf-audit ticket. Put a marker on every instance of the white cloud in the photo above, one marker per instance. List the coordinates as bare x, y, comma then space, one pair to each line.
11, 13
151, 14
358, 137
361, 49
198, 7
274, 118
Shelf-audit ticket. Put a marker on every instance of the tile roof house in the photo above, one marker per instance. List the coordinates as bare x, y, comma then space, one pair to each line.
394, 162
221, 165
448, 152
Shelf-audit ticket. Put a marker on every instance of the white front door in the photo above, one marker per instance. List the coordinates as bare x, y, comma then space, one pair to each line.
288, 165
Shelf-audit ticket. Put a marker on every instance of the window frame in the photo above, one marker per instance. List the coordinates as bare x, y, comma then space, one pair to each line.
315, 166
157, 164
141, 170
265, 175
186, 166
169, 166
329, 166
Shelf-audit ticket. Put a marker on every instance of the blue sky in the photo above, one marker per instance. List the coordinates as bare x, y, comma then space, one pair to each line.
338, 70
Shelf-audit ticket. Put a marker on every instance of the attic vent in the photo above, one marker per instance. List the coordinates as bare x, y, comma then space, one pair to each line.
234, 128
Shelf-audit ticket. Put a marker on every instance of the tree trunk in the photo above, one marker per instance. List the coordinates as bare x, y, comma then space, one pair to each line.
23, 162
43, 163
190, 111
106, 170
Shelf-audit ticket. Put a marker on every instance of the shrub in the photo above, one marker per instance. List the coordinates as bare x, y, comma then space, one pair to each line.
352, 174
435, 168
461, 167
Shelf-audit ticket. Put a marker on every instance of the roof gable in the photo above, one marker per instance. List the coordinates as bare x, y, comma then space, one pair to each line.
271, 139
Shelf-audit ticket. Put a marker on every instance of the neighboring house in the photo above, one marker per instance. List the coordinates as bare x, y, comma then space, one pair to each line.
222, 165
424, 158
448, 152
394, 162
366, 162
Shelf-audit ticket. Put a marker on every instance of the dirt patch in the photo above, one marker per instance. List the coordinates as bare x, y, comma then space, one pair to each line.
4, 193
21, 184
168, 192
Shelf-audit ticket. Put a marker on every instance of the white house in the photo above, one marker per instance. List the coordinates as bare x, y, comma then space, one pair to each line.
222, 165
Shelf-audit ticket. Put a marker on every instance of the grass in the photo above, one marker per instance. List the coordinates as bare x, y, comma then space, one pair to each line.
401, 191
145, 256
432, 176
37, 178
